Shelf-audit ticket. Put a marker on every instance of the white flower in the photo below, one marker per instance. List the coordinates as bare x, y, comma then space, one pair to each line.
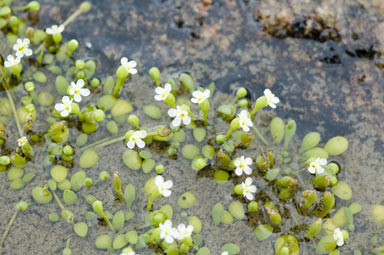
135, 139
338, 236
11, 61
162, 93
317, 166
179, 115
167, 232
66, 107
55, 29
271, 98
22, 48
224, 253
162, 186
128, 65
245, 121
129, 253
248, 188
22, 141
184, 231
242, 164
199, 97
76, 90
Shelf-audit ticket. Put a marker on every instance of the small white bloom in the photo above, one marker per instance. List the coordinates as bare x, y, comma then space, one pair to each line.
163, 187
180, 115
66, 107
22, 48
224, 253
338, 236
55, 29
11, 61
271, 98
242, 164
199, 97
129, 253
248, 188
167, 232
317, 166
129, 65
135, 139
22, 141
245, 121
184, 231
162, 93
76, 90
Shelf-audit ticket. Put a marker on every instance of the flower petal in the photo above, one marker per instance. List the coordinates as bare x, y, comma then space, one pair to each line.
238, 171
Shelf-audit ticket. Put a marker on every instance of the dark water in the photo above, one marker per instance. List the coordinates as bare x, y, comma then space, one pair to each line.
322, 58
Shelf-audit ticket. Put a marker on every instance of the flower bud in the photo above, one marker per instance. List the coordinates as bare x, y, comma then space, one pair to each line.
95, 83
154, 72
253, 206
134, 120
98, 207
29, 86
99, 115
220, 139
243, 103
159, 169
33, 6
238, 189
310, 197
241, 92
85, 6
73, 45
22, 206
235, 123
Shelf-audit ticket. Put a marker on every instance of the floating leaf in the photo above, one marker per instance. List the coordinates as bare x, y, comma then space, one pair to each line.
231, 248
237, 210
263, 231
272, 174
81, 229
326, 245
129, 195
203, 251
277, 130
69, 197
199, 134
310, 141
336, 145
217, 213
342, 190
103, 242
118, 220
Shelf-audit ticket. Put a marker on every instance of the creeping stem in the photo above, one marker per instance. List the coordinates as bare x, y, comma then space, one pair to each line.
10, 98
261, 137
8, 228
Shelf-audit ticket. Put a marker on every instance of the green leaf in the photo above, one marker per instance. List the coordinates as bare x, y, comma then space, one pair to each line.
217, 213
263, 231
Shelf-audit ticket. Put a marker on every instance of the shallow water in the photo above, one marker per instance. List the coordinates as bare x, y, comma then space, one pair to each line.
322, 58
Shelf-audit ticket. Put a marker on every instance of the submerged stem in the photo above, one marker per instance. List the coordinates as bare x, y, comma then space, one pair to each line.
8, 228
103, 142
8, 91
261, 137
116, 90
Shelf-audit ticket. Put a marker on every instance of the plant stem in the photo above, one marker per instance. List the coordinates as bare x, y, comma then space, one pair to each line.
8, 228
103, 142
58, 200
205, 118
261, 137
229, 133
10, 98
150, 202
116, 90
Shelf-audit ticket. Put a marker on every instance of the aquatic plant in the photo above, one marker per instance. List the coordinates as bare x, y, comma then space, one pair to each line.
221, 142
